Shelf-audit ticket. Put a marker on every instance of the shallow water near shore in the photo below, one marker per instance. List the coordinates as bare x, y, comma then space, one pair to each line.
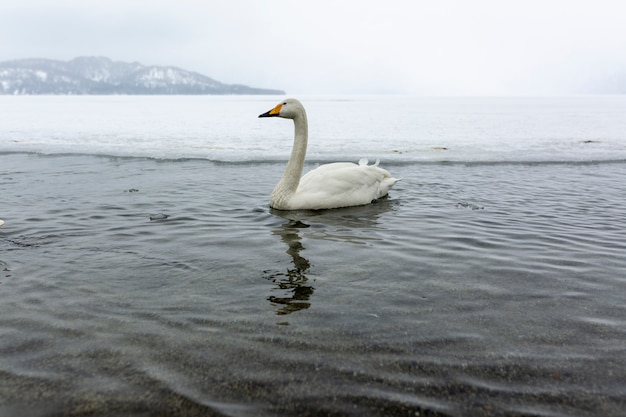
133, 286
143, 273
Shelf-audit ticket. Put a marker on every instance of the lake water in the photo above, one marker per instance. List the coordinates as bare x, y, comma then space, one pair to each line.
143, 273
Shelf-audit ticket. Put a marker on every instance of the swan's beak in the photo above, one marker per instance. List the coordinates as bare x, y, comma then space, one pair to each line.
274, 112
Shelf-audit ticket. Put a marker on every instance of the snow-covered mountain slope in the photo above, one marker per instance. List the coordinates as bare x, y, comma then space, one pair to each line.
100, 75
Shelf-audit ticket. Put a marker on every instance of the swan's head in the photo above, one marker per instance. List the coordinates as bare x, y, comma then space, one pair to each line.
289, 109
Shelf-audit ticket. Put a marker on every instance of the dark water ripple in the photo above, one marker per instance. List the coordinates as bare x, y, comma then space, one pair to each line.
475, 289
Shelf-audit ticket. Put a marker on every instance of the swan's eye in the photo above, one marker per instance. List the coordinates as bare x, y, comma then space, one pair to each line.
285, 103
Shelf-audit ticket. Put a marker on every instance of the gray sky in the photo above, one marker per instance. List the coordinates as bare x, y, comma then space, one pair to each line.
480, 47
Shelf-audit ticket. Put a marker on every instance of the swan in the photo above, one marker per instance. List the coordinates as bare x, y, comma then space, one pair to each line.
340, 184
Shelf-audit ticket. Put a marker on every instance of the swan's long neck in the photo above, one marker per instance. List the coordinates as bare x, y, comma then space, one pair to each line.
288, 183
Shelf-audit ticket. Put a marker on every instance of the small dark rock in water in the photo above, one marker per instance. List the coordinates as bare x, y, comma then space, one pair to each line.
131, 190
159, 216
464, 204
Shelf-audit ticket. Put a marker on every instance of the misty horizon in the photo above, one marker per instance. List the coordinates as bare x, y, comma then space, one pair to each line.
611, 85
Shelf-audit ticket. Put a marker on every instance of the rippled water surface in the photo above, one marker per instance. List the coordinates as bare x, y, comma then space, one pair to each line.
134, 286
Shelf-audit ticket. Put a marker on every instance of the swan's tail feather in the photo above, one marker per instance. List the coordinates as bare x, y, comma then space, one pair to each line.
385, 185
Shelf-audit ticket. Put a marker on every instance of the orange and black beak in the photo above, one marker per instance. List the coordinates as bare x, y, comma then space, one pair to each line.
274, 112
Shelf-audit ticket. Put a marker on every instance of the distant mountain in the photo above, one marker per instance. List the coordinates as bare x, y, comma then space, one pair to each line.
99, 75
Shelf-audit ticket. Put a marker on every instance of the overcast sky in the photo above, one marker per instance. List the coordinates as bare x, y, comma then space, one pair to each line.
480, 47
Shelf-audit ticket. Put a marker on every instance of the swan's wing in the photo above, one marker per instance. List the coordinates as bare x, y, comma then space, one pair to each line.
342, 184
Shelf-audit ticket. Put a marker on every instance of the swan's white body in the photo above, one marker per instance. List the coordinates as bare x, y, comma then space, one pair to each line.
341, 184
1, 223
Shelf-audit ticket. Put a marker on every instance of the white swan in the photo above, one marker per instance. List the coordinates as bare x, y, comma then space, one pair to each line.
341, 184
1, 222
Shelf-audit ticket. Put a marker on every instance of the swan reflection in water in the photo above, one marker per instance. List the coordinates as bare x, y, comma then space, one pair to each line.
345, 225
294, 281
